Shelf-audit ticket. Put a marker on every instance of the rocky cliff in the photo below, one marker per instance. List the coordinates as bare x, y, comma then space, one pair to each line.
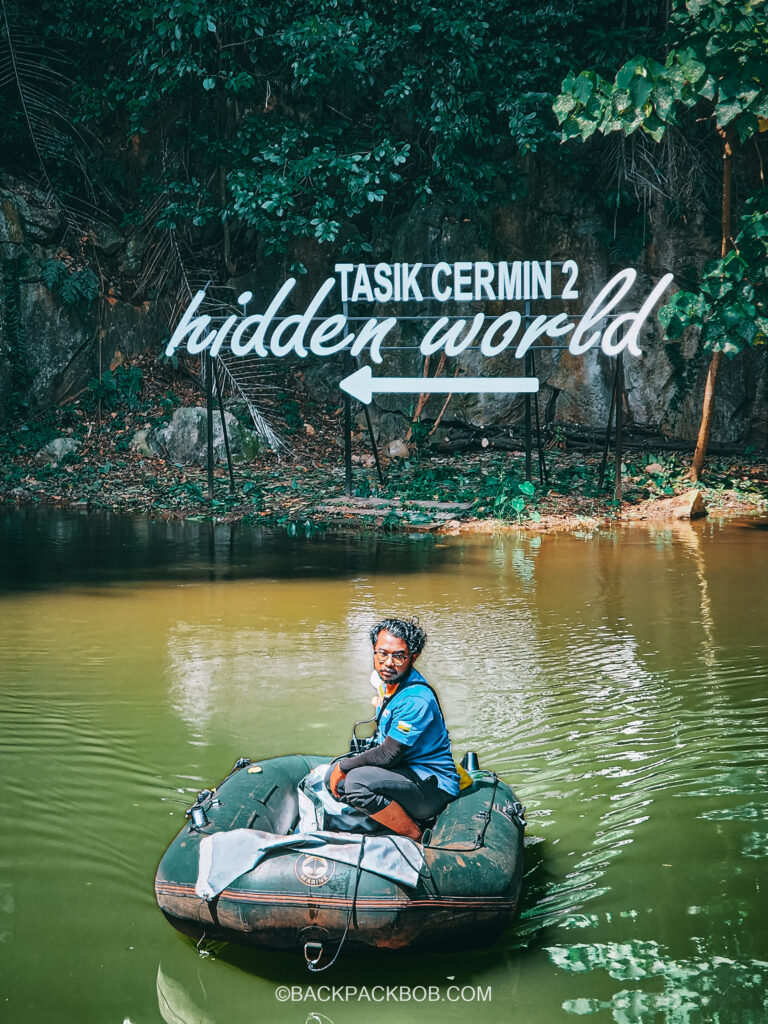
57, 328
52, 344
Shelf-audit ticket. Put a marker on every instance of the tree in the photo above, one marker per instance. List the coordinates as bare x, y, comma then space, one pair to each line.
319, 119
717, 63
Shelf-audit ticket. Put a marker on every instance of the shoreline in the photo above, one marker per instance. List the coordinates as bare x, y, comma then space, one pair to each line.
87, 456
290, 506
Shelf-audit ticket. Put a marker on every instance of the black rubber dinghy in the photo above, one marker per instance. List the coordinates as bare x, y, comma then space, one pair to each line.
467, 889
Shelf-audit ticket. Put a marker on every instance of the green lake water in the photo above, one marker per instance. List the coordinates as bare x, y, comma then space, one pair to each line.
617, 681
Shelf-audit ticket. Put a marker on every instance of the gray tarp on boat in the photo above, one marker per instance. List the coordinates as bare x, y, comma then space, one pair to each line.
224, 856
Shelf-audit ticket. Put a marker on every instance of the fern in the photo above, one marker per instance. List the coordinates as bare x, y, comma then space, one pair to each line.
87, 284
52, 273
74, 287
68, 290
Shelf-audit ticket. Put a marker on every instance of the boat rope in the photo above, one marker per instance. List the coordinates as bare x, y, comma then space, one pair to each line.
480, 838
313, 965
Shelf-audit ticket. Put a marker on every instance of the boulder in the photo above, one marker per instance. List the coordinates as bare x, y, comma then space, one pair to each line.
396, 449
106, 238
53, 452
142, 443
387, 426
689, 505
185, 438
34, 218
133, 256
686, 506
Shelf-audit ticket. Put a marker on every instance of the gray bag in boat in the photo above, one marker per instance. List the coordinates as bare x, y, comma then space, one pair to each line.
319, 810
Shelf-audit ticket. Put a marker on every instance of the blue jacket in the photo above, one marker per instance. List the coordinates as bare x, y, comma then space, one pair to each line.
413, 717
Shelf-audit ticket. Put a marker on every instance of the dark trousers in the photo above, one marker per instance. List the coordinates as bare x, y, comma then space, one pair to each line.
371, 789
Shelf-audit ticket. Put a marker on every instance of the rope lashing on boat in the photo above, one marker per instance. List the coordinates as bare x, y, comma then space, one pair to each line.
313, 964
204, 953
480, 837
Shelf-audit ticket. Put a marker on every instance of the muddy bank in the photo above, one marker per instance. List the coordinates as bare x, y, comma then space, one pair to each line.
114, 451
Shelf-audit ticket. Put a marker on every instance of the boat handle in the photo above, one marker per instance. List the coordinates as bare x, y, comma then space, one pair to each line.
309, 949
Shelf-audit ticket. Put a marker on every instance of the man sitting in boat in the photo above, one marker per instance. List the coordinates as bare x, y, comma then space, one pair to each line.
409, 774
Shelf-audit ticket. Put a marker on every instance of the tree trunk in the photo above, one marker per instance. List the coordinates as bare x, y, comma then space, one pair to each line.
223, 123
726, 244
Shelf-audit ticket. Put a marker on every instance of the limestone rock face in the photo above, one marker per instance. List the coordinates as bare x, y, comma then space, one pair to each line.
185, 438
106, 238
56, 450
49, 350
386, 426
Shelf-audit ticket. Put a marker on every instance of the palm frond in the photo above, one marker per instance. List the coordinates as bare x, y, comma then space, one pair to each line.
38, 74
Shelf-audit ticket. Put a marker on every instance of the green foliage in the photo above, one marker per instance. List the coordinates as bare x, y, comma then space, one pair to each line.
288, 413
717, 56
74, 287
419, 432
188, 489
716, 61
363, 488
318, 118
497, 491
168, 403
254, 495
731, 306
114, 388
301, 184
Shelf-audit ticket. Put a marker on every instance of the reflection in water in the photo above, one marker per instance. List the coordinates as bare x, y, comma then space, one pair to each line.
176, 1005
694, 989
617, 681
687, 535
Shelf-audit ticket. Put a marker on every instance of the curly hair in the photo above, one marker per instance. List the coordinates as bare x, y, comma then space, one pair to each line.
404, 629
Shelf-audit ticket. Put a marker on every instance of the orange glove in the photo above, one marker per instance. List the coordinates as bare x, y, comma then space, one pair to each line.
337, 776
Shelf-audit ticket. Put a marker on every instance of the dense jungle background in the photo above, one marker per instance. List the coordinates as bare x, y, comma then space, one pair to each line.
150, 149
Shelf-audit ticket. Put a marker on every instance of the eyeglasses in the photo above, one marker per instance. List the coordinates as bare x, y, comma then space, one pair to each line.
399, 657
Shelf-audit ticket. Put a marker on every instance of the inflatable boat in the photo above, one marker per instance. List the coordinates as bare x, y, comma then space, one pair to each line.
244, 869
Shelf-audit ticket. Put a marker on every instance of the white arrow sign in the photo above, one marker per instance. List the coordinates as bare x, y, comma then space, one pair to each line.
362, 385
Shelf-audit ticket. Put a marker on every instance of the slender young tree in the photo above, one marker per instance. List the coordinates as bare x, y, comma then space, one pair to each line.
718, 61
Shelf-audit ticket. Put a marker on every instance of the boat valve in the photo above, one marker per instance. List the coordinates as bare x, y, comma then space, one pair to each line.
197, 811
198, 816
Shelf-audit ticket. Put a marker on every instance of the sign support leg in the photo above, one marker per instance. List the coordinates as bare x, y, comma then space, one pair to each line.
528, 373
606, 446
347, 445
348, 423
528, 437
619, 424
543, 475
209, 410
220, 398
373, 444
